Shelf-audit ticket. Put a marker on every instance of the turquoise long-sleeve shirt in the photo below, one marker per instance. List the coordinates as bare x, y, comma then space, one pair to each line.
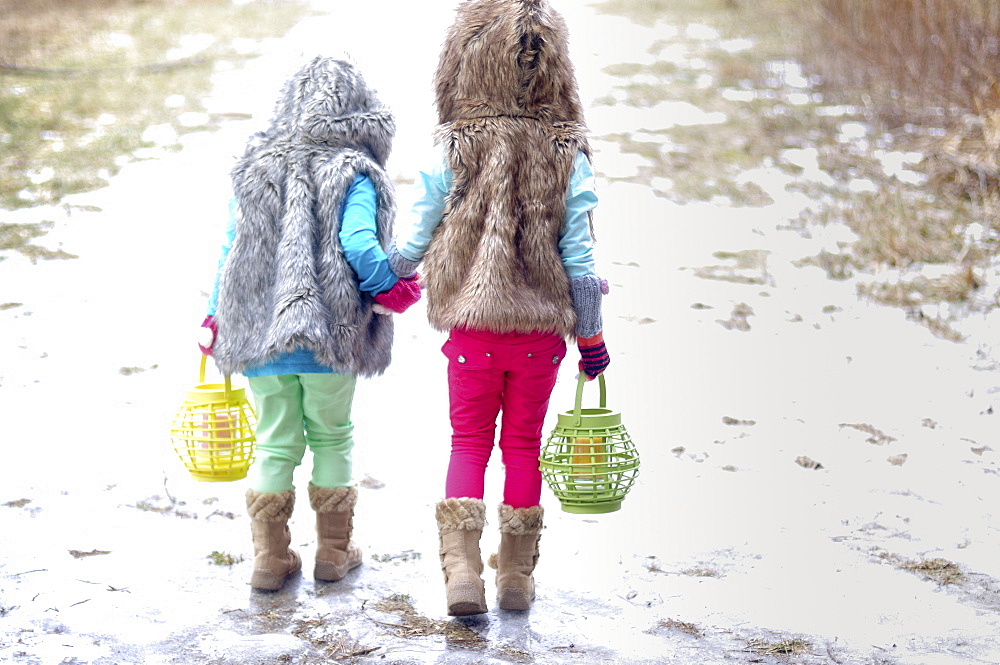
576, 245
359, 241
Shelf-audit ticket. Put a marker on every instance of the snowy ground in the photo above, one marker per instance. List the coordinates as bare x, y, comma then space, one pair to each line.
800, 448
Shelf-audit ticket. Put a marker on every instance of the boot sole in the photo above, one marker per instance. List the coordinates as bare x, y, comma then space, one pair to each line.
464, 599
514, 599
466, 609
326, 571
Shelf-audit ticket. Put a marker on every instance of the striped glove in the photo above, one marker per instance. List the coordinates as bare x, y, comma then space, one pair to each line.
594, 358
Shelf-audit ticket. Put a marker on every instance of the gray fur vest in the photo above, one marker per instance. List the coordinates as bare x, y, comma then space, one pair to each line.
286, 283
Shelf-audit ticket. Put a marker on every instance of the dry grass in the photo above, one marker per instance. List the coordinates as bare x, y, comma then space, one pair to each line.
913, 55
81, 80
930, 71
786, 647
414, 624
224, 558
876, 436
27, 29
927, 74
940, 571
682, 627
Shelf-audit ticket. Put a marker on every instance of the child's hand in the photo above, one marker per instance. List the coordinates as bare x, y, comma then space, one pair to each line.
594, 358
206, 339
401, 296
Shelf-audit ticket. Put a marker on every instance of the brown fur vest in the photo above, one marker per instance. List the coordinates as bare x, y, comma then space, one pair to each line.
511, 126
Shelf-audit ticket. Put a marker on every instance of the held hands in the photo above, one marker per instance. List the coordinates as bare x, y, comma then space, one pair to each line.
594, 358
206, 338
400, 297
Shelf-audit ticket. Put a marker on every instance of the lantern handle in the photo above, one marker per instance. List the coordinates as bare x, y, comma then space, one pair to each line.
201, 376
577, 418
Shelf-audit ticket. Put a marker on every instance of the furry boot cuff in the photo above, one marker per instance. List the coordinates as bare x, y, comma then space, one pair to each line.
463, 513
332, 499
520, 521
270, 506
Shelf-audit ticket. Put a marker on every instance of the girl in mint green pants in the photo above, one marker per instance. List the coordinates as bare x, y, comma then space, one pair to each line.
303, 300
299, 411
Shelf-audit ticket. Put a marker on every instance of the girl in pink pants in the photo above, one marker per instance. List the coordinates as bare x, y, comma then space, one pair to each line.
490, 373
502, 226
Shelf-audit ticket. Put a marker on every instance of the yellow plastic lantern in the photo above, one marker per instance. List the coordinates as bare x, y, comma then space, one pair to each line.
213, 431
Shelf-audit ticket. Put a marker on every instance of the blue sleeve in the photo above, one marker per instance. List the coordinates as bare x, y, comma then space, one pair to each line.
431, 192
576, 245
213, 300
359, 241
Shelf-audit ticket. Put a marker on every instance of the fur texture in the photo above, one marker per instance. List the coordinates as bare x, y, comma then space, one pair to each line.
333, 499
270, 506
520, 521
511, 125
460, 514
286, 283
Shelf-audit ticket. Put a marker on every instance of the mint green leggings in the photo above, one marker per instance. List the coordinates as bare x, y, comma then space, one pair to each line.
295, 411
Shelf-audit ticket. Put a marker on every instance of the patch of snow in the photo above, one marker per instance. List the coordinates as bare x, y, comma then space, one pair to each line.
190, 45
676, 54
894, 164
861, 186
244, 46
808, 160
119, 40
852, 131
193, 119
789, 73
661, 184
736, 45
617, 164
42, 175
666, 114
701, 32
163, 134
738, 95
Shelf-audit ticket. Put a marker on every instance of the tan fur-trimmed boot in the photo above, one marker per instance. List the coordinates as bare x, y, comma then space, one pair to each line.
273, 561
520, 531
336, 553
460, 526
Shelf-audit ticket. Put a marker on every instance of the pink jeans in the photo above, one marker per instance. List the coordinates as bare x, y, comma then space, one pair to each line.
489, 373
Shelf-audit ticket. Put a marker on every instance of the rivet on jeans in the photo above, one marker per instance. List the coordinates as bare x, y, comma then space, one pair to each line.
461, 359
487, 355
529, 355
555, 360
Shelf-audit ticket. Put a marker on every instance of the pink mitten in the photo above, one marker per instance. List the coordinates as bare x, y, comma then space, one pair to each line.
208, 333
403, 294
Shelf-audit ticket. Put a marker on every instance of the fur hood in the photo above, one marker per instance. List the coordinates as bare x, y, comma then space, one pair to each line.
507, 58
328, 103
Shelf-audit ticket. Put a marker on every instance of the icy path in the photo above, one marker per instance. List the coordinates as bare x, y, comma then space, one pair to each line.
726, 543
